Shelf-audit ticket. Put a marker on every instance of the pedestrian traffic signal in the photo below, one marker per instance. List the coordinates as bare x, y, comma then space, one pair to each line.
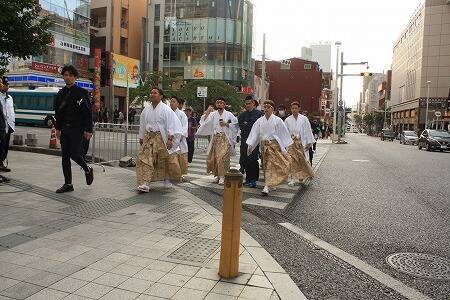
366, 74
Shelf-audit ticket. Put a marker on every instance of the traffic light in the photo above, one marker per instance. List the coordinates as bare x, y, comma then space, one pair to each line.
366, 74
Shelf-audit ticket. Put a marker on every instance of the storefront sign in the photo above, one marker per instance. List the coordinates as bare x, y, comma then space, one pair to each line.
48, 68
70, 46
123, 67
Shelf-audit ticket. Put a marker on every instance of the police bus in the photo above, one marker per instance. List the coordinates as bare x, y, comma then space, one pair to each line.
34, 107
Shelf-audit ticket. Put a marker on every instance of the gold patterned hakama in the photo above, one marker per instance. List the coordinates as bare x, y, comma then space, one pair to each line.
275, 164
300, 168
218, 161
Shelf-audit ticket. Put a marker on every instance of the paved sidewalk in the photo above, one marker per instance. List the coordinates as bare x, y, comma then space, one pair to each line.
107, 242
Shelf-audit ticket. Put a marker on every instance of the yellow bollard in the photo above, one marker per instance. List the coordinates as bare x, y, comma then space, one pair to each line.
231, 225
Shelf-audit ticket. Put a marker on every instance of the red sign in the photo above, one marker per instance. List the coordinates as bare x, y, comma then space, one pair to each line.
43, 67
247, 90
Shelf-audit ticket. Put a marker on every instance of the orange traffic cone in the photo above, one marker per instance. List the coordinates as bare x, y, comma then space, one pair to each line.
53, 141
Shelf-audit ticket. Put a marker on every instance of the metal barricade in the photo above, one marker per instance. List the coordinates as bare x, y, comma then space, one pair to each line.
202, 142
111, 142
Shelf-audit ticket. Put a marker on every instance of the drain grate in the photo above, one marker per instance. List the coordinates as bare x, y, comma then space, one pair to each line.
177, 217
13, 239
421, 265
99, 207
66, 199
196, 250
187, 230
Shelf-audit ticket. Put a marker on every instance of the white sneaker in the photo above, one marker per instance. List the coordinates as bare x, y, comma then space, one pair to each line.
221, 181
216, 179
265, 190
291, 183
168, 184
144, 188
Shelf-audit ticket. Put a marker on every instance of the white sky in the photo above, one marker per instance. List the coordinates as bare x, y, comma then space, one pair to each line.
367, 30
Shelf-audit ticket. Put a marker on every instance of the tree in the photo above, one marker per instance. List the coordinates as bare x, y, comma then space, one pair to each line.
23, 31
150, 79
358, 120
369, 121
216, 88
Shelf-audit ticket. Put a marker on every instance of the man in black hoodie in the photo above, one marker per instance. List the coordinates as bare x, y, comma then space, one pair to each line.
73, 122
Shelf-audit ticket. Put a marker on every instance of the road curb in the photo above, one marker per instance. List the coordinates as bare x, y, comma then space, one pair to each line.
39, 150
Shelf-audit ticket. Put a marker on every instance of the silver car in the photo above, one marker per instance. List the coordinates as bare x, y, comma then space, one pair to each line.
408, 137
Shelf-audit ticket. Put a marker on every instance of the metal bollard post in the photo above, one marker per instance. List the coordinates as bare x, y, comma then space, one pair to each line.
231, 225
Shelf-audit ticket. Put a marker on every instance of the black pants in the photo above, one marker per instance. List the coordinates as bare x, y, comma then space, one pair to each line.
311, 155
5, 145
84, 147
190, 150
71, 139
249, 163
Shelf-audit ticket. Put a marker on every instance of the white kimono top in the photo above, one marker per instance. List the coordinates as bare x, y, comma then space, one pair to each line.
300, 128
163, 119
8, 111
211, 126
270, 129
184, 125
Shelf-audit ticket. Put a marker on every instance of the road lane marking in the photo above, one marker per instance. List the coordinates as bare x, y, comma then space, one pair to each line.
265, 203
360, 160
375, 273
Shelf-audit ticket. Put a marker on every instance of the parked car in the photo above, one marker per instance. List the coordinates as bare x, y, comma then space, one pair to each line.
408, 137
432, 139
387, 134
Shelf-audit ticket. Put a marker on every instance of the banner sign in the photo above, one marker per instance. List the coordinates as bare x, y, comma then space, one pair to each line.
123, 66
66, 45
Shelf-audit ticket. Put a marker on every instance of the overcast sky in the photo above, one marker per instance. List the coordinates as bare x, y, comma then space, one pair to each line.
367, 30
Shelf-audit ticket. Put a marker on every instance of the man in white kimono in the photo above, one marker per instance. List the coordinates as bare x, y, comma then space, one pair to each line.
301, 133
159, 134
10, 119
222, 126
175, 104
271, 132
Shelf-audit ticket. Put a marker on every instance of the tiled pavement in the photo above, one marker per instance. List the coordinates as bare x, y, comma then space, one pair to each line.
107, 242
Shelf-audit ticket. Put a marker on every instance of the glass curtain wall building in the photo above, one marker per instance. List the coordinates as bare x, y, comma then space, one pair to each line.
201, 39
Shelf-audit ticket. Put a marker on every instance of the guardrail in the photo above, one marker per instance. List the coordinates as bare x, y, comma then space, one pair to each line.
110, 142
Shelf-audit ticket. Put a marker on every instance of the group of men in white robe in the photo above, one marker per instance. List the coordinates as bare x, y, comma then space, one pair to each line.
163, 132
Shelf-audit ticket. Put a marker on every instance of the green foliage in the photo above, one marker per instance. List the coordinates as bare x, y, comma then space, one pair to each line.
368, 119
216, 88
23, 32
150, 79
358, 120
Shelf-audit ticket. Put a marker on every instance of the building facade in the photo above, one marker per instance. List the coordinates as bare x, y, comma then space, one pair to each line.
420, 55
384, 90
70, 45
204, 39
117, 29
320, 53
294, 79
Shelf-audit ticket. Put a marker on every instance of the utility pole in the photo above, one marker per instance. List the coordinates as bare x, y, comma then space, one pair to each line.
428, 100
335, 96
263, 69
340, 96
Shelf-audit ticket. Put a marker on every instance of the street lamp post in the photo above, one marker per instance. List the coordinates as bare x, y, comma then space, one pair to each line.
335, 102
428, 100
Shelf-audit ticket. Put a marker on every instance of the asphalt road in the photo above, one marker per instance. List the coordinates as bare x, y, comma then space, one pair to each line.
370, 199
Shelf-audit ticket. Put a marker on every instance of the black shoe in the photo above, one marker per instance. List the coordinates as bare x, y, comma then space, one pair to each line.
4, 169
90, 176
4, 179
65, 188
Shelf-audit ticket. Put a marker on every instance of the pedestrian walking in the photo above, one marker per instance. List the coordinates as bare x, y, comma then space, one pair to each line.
10, 119
121, 117
86, 142
249, 163
159, 133
73, 121
175, 104
301, 134
221, 126
116, 116
192, 129
273, 135
105, 115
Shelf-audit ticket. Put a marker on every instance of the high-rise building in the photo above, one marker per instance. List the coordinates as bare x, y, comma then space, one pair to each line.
117, 30
421, 54
306, 53
203, 39
70, 45
320, 53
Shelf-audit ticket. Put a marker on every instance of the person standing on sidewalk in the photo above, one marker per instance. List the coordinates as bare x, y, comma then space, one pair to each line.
175, 105
2, 139
300, 130
222, 126
192, 128
273, 135
10, 119
159, 134
249, 164
73, 122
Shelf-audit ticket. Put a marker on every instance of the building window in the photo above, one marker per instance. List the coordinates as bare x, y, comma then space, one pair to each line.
123, 46
156, 35
307, 67
157, 12
124, 18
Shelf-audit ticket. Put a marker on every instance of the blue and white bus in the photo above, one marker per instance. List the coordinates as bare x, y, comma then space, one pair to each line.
34, 107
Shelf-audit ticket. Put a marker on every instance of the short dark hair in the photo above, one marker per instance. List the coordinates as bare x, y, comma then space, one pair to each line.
180, 101
221, 99
295, 103
71, 69
270, 102
160, 91
248, 98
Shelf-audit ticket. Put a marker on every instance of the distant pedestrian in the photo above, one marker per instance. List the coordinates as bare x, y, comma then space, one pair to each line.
192, 128
105, 115
131, 116
73, 121
10, 119
176, 105
121, 117
2, 139
116, 116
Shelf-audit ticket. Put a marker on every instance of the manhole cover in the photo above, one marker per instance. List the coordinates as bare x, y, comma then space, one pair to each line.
421, 265
196, 250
